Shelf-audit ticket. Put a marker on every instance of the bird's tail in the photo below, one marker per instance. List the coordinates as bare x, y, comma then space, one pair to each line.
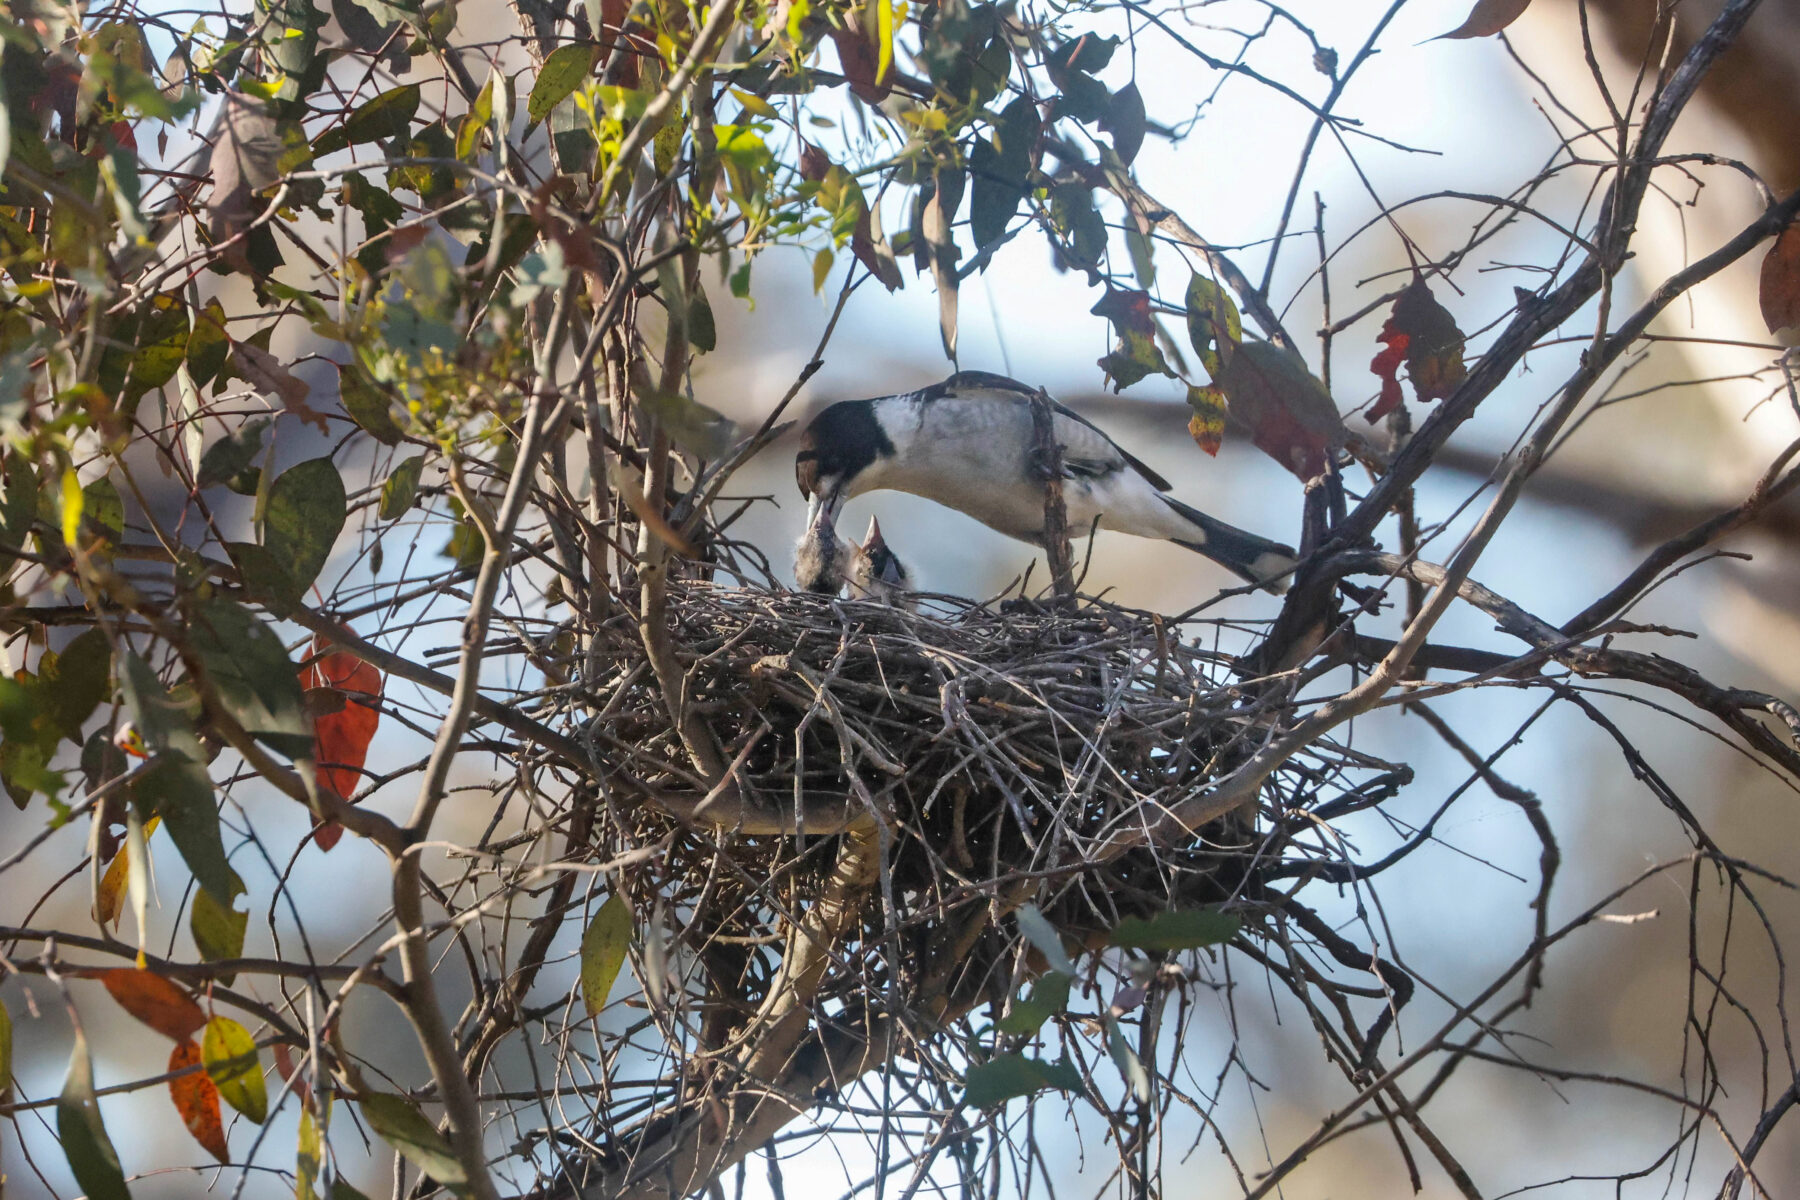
1256, 559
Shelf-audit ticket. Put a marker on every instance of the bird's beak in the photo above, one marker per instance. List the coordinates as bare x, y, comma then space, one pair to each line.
823, 508
874, 540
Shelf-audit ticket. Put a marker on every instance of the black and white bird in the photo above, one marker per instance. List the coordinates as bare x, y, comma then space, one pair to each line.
968, 443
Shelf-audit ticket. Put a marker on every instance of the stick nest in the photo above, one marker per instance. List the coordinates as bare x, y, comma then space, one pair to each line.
993, 746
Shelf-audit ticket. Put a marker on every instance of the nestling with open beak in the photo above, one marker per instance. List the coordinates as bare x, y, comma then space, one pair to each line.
969, 443
877, 574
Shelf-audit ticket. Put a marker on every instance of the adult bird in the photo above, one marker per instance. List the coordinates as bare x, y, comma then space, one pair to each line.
969, 443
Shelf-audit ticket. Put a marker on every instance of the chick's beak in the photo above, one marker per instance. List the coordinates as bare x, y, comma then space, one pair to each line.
822, 508
874, 541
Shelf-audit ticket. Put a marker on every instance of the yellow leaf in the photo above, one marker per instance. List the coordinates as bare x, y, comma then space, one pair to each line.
71, 506
109, 905
884, 37
603, 948
231, 1060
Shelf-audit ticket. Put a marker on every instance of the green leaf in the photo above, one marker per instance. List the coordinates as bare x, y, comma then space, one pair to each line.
83, 1135
231, 1061
207, 345
1177, 929
265, 577
18, 507
368, 405
603, 946
218, 929
1214, 327
1126, 1059
290, 40
388, 12
249, 667
1125, 120
562, 73
343, 1191
231, 455
401, 488
73, 683
705, 432
1085, 53
1072, 210
1040, 933
103, 510
145, 350
388, 115
999, 171
309, 1156
703, 334
176, 787
1049, 996
306, 511
405, 1129
1008, 1076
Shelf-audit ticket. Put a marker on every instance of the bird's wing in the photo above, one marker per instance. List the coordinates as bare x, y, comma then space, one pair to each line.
1088, 451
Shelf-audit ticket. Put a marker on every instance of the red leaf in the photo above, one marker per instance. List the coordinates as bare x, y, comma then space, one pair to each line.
1780, 287
1424, 332
1290, 415
1387, 366
197, 1100
341, 734
162, 1005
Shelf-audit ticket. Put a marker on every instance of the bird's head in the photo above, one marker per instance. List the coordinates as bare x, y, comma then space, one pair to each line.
822, 561
836, 451
884, 566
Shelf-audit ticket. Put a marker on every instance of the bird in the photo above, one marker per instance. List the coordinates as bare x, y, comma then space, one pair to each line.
826, 564
823, 561
969, 443
877, 574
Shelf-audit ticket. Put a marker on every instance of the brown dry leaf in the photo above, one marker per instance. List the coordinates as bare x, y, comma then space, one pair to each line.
1780, 288
263, 371
197, 1100
245, 159
1487, 18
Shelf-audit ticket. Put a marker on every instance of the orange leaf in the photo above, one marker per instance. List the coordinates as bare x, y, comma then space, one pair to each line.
341, 737
162, 1005
1780, 287
197, 1100
1487, 18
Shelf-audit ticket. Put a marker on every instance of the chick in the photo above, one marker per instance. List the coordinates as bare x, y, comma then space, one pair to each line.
876, 573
